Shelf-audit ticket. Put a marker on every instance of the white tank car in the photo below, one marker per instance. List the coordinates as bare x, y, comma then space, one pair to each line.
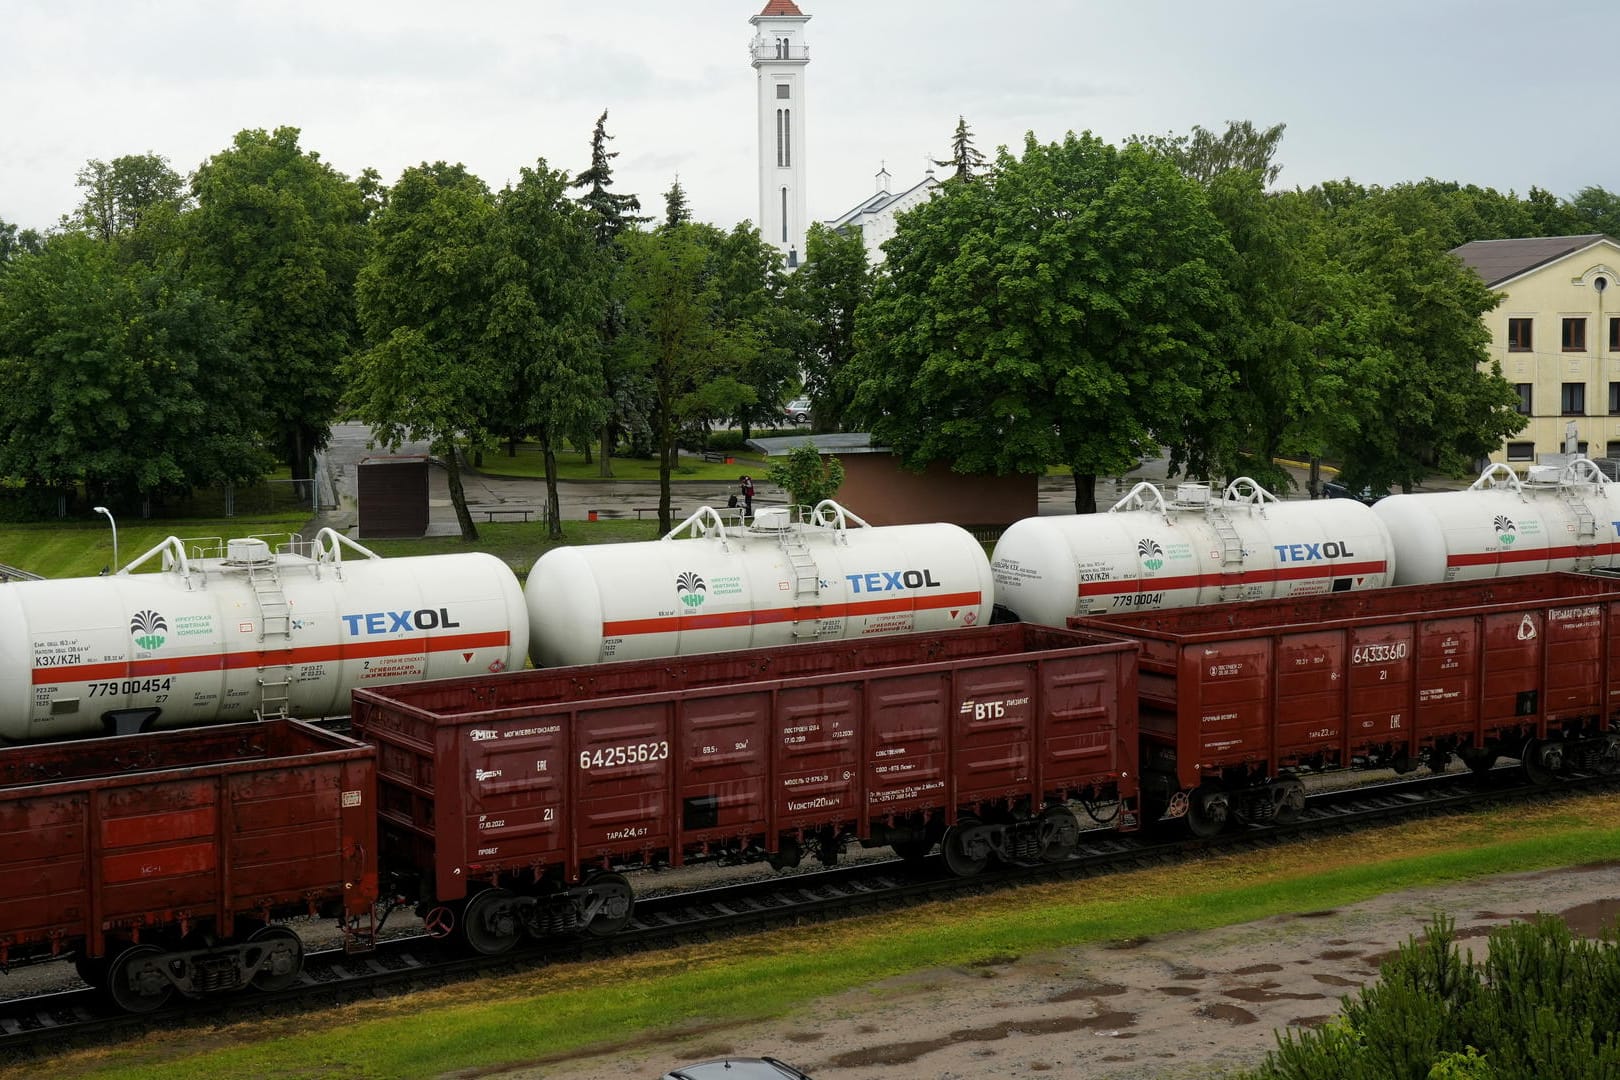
245, 631
1149, 552
710, 587
1560, 517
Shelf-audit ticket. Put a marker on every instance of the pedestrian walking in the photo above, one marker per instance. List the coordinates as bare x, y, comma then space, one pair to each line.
748, 496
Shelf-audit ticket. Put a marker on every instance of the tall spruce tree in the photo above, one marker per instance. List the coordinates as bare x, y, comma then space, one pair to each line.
611, 213
965, 159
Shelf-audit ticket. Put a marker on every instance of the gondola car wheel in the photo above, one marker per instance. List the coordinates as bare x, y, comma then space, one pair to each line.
489, 925
285, 959
1208, 813
617, 901
913, 850
1061, 832
133, 983
954, 849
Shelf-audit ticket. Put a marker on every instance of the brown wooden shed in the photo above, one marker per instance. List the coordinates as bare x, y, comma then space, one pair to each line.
393, 496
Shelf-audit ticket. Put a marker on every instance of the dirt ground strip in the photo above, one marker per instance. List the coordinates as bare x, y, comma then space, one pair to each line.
1185, 1005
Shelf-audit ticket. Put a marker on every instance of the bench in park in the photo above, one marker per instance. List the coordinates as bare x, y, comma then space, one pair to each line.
507, 511
717, 457
653, 510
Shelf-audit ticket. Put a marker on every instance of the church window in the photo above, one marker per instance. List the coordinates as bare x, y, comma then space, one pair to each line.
778, 138
784, 215
782, 91
787, 138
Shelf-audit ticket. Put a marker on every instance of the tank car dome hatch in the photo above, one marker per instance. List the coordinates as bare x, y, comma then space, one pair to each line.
241, 630
1148, 552
792, 576
1559, 517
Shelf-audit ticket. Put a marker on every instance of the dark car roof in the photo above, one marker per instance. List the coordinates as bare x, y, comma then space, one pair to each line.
762, 1068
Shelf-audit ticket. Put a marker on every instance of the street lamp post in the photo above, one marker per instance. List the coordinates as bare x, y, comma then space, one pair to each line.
114, 524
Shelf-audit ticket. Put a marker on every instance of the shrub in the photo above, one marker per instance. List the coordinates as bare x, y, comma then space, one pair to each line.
1543, 1004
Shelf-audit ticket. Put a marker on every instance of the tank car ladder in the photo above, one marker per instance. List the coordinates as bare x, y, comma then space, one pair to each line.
275, 621
806, 574
1231, 556
1585, 530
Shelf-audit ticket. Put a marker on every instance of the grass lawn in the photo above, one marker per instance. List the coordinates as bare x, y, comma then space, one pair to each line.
80, 548
536, 1017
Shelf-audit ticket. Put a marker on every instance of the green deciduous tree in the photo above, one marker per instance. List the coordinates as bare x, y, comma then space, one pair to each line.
675, 339
1062, 309
547, 303
119, 375
15, 241
119, 194
425, 372
281, 236
806, 476
835, 280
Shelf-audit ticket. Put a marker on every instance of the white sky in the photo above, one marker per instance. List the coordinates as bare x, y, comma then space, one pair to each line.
1479, 91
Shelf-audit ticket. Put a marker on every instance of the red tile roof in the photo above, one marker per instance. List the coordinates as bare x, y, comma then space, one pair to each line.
783, 7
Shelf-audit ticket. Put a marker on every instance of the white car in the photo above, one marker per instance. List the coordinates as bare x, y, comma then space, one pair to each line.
797, 410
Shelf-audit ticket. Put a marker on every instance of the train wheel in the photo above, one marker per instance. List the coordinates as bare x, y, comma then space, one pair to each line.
962, 857
488, 923
613, 900
136, 983
283, 954
1479, 762
1208, 813
1542, 761
1061, 833
1290, 800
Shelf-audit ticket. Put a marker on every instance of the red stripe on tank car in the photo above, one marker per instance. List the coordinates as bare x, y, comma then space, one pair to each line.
148, 667
1508, 556
1246, 577
669, 624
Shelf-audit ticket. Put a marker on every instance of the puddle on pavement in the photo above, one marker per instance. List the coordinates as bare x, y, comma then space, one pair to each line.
907, 1052
1256, 969
1232, 1014
1088, 990
1590, 920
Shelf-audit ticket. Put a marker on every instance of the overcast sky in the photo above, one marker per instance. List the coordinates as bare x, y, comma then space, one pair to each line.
1382, 91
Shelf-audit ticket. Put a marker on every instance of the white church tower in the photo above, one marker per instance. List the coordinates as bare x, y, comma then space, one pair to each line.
780, 56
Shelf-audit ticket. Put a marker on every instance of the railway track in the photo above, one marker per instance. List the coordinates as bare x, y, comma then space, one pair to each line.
43, 1024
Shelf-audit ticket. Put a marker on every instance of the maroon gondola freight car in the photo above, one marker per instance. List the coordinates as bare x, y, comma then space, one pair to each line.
1238, 702
161, 862
512, 802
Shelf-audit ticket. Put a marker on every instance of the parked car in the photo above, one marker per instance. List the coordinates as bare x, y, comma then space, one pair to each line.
1332, 489
763, 1068
797, 410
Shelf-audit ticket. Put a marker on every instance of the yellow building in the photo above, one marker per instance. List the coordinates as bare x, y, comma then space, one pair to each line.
1557, 337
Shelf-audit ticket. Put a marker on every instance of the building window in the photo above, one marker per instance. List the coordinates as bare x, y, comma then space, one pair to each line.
1521, 451
1575, 335
1614, 399
1518, 335
1614, 335
1573, 399
784, 215
778, 138
782, 91
1526, 406
1612, 450
787, 138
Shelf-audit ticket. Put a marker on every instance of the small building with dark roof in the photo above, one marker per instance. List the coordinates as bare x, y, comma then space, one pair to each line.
878, 489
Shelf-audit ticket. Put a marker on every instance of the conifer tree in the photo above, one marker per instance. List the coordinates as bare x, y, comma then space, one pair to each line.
965, 158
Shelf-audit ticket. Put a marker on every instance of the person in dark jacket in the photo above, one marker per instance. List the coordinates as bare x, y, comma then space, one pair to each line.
748, 496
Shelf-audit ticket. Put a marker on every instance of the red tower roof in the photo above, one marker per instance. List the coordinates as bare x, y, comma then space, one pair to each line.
783, 7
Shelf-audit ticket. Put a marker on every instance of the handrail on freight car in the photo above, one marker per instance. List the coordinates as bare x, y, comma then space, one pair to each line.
1578, 470
1194, 495
325, 550
824, 515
